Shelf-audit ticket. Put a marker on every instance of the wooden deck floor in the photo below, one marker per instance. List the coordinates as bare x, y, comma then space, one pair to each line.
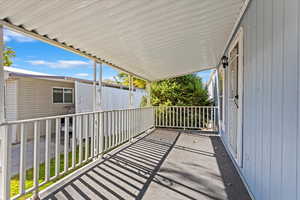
164, 165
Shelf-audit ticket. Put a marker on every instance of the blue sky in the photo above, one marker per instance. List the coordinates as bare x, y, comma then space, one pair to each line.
38, 56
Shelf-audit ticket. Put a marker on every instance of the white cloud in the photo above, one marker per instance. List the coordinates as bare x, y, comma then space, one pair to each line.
60, 64
82, 74
110, 78
10, 35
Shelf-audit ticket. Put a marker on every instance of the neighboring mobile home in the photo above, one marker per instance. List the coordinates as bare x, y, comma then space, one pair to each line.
212, 87
35, 95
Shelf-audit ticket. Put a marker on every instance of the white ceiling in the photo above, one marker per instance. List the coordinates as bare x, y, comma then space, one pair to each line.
154, 39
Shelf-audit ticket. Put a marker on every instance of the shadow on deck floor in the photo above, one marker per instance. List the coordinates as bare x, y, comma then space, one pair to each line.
164, 165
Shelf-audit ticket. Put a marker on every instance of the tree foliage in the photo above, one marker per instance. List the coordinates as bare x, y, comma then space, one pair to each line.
186, 90
123, 78
8, 55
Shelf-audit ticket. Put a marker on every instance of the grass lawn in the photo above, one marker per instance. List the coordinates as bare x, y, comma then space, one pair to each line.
14, 184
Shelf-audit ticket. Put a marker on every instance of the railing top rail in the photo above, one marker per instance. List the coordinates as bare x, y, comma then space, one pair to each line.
64, 116
190, 106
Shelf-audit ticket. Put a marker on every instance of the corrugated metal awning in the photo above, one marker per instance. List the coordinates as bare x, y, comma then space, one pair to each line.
153, 39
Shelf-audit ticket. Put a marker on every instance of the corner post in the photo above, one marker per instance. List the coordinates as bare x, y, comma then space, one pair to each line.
101, 115
5, 138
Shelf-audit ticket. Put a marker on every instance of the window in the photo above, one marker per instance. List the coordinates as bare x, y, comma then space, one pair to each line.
63, 95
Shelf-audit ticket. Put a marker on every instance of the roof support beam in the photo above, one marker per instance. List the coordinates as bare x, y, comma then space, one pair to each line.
56, 43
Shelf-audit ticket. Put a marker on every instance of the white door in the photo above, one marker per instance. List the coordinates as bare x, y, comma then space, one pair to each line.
235, 97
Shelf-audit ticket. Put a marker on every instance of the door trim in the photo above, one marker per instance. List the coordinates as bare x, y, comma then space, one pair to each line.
238, 39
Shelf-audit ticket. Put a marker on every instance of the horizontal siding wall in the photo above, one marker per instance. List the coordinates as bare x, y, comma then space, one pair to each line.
271, 151
35, 100
11, 100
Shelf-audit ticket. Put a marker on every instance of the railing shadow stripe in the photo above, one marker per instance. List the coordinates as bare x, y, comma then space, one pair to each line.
117, 177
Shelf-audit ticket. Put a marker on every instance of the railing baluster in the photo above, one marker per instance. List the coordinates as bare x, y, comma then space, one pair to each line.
96, 135
159, 115
86, 131
66, 145
134, 124
176, 116
199, 117
116, 128
207, 117
188, 117
23, 151
73, 142
36, 159
109, 128
192, 117
101, 136
173, 109
80, 138
184, 110
92, 135
57, 147
195, 117
127, 125
203, 118
113, 129
47, 150
106, 129
121, 126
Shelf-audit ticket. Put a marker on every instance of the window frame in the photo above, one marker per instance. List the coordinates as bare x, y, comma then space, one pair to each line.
63, 95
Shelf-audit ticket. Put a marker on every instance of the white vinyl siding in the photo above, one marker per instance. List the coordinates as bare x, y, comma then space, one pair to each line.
35, 100
11, 100
271, 134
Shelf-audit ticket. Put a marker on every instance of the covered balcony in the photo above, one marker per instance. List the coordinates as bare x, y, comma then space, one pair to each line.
173, 152
144, 153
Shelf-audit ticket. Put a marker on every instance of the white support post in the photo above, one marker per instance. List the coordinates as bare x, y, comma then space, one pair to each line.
100, 87
95, 86
5, 138
218, 102
130, 91
148, 89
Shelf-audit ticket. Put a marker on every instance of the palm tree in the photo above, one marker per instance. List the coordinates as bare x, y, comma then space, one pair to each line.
123, 78
8, 54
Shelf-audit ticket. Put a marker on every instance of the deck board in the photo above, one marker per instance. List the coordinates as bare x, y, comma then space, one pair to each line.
166, 164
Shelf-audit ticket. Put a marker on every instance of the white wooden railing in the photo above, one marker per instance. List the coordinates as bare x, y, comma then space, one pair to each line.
187, 117
72, 141
82, 137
